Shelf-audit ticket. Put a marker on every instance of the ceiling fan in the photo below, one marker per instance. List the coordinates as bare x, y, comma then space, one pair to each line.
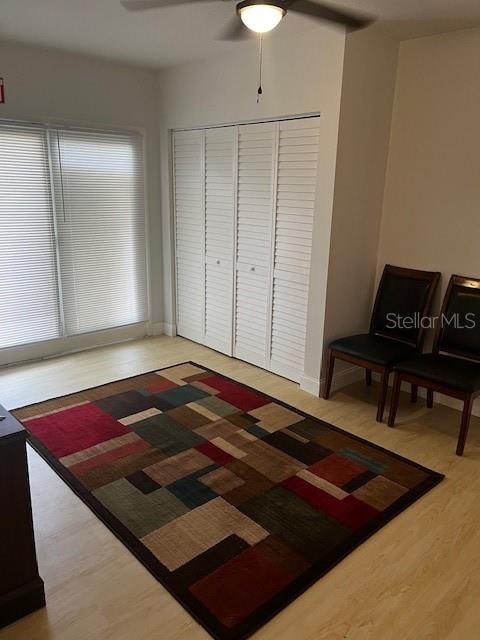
260, 16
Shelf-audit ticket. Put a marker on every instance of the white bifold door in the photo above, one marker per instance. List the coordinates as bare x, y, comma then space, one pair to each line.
189, 171
244, 208
220, 151
255, 206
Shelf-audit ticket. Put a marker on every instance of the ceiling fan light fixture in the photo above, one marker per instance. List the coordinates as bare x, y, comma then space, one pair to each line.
261, 18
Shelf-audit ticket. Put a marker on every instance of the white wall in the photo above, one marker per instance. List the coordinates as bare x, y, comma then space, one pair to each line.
369, 76
302, 74
59, 87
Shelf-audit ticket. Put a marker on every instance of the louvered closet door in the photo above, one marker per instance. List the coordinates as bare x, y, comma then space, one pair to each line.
256, 164
296, 185
220, 163
189, 192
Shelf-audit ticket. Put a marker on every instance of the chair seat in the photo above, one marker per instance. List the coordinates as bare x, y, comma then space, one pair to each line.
448, 371
375, 349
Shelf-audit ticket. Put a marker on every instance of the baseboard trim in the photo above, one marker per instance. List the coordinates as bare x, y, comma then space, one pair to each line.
156, 329
310, 385
11, 356
354, 374
162, 329
341, 379
169, 329
453, 403
447, 401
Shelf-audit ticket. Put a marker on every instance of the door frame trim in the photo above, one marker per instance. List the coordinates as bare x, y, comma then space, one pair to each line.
301, 116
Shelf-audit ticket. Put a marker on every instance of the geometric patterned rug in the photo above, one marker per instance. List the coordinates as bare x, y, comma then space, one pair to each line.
234, 501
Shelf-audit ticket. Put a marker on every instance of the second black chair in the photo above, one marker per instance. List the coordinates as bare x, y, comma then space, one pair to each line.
454, 366
396, 333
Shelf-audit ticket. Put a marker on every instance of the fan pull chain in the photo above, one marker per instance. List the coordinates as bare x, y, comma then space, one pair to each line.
259, 90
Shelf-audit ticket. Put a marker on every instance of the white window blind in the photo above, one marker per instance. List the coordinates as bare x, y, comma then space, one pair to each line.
72, 234
29, 308
100, 215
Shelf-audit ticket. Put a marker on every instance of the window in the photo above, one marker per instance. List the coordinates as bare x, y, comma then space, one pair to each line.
29, 305
72, 241
100, 222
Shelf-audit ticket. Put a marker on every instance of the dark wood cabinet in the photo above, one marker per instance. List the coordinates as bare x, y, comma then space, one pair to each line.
21, 588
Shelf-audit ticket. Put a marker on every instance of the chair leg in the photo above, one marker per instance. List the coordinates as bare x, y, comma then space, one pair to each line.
383, 394
328, 380
414, 393
466, 415
429, 398
397, 384
368, 377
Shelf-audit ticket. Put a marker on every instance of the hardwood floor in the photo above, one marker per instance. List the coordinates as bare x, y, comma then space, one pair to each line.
416, 579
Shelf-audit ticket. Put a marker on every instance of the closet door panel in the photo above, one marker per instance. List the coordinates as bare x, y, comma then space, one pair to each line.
256, 169
189, 185
220, 165
295, 202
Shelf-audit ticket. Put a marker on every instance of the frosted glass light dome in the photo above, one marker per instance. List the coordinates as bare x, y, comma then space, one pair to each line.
261, 17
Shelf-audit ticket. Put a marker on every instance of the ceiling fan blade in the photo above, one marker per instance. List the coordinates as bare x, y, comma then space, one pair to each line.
143, 5
328, 13
235, 30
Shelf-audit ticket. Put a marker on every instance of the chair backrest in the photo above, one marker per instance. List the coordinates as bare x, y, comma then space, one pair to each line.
403, 298
458, 332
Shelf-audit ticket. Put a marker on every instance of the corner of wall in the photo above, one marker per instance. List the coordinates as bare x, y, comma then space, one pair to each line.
380, 262
369, 79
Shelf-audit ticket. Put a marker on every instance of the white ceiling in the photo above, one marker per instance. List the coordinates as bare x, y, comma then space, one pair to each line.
168, 36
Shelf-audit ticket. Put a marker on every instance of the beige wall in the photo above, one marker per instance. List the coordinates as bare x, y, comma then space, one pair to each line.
431, 217
302, 74
431, 213
63, 88
365, 118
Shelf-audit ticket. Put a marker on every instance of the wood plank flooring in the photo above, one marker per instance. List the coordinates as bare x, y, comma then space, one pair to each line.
416, 579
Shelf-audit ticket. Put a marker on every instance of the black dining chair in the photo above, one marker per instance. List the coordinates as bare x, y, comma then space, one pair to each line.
396, 332
453, 368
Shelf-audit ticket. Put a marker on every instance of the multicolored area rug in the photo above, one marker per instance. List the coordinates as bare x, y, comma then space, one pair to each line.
235, 501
